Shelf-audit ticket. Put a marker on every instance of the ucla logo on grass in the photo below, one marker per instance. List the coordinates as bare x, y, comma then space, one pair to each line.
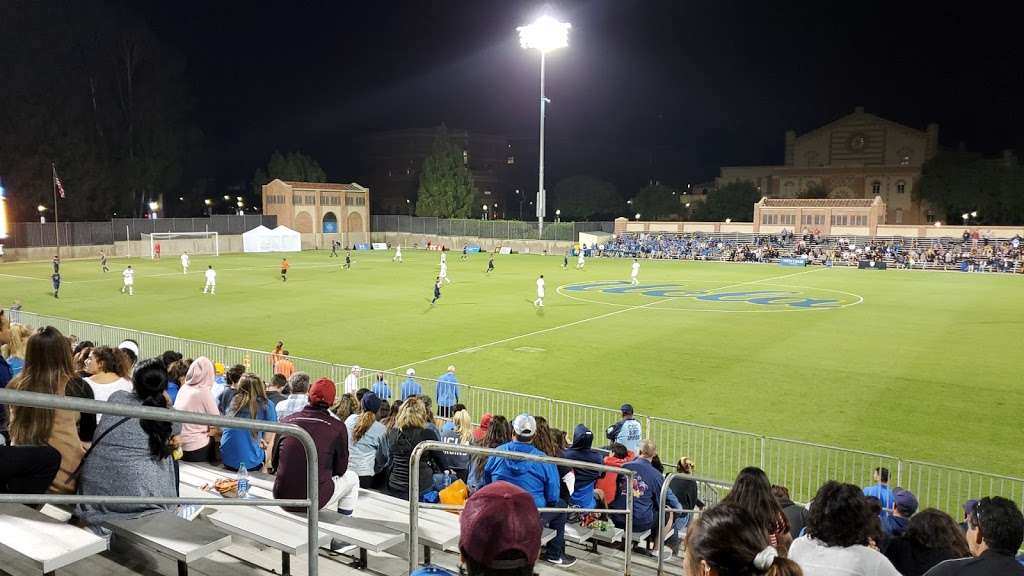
708, 295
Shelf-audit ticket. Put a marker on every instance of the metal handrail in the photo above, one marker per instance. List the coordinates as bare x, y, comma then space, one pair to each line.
51, 401
662, 500
415, 504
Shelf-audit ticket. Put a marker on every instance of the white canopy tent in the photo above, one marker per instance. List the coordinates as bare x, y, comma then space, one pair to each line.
263, 239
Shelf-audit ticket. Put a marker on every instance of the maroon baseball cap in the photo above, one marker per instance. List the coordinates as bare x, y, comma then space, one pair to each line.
498, 519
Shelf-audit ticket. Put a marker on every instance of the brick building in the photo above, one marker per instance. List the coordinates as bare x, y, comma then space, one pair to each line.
320, 207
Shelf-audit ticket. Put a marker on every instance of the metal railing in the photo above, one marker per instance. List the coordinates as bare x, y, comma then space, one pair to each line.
478, 228
415, 504
49, 401
719, 452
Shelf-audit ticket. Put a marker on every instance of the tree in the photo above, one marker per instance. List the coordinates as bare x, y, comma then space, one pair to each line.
734, 200
293, 166
583, 197
954, 183
813, 192
656, 201
446, 185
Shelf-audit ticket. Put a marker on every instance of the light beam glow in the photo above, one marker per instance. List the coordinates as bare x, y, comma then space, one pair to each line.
545, 34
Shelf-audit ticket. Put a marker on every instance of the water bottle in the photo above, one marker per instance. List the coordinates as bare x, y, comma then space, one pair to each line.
243, 481
447, 478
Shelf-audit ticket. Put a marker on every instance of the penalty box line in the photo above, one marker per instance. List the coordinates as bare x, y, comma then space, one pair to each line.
585, 320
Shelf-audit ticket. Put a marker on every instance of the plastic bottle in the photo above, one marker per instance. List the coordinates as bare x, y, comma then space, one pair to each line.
243, 481
447, 478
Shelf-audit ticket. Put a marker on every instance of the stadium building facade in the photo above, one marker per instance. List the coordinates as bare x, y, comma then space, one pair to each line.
319, 207
858, 156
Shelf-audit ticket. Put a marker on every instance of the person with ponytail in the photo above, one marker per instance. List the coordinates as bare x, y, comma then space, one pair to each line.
753, 492
131, 457
107, 366
725, 540
365, 439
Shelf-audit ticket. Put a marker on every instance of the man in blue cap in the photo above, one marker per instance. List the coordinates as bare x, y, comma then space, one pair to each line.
626, 431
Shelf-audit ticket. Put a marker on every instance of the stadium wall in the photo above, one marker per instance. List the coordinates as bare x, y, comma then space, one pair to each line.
623, 225
485, 244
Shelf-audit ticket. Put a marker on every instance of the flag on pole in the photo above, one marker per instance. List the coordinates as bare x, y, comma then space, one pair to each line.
56, 182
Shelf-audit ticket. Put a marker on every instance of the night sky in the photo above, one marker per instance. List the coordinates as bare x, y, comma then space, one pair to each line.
695, 85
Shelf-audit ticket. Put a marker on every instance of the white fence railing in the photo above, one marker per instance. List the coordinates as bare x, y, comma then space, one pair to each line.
719, 452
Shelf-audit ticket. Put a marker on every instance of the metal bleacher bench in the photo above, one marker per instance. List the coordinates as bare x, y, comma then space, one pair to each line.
281, 530
41, 543
168, 535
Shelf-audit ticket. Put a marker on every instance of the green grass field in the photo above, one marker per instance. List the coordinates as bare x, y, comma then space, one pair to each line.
916, 364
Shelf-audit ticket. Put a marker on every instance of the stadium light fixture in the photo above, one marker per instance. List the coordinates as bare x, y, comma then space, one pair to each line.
544, 35
728, 220
154, 206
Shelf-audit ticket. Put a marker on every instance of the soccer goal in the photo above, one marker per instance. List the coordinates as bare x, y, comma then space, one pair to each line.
175, 243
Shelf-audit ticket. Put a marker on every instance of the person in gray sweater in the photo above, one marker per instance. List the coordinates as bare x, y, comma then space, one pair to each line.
130, 457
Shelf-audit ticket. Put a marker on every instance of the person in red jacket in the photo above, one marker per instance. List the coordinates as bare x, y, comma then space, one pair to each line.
606, 485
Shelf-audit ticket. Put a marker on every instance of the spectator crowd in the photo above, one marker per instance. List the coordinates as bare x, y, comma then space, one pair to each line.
364, 439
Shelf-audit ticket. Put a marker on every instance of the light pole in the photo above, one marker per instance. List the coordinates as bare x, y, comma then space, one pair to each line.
545, 34
42, 216
521, 197
494, 213
408, 204
209, 207
637, 216
558, 215
485, 211
153, 208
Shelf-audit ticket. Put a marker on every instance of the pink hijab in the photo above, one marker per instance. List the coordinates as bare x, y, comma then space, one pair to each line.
200, 373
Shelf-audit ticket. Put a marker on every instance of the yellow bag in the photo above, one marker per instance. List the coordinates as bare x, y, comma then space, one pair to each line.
456, 493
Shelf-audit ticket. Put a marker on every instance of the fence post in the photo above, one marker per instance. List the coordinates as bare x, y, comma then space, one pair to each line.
764, 457
647, 427
899, 472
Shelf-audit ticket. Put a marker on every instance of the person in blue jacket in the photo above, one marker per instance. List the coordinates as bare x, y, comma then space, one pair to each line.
447, 393
626, 431
539, 480
582, 441
410, 387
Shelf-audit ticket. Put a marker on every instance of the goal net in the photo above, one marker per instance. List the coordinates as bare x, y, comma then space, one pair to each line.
176, 243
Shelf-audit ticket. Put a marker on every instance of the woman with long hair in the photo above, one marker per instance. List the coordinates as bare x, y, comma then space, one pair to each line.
753, 492
461, 434
840, 527
365, 438
15, 348
726, 541
499, 432
248, 447
196, 395
389, 422
131, 457
107, 368
47, 370
931, 537
411, 429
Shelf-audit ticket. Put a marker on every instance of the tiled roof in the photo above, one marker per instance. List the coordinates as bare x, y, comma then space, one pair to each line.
818, 203
325, 186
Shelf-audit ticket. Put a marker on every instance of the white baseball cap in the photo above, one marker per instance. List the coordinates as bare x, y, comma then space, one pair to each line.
524, 425
410, 372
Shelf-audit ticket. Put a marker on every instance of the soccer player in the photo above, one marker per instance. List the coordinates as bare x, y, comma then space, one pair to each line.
634, 272
156, 251
184, 262
444, 256
465, 252
444, 272
284, 269
398, 254
103, 262
56, 284
211, 281
128, 279
540, 292
437, 290
348, 259
565, 259
334, 248
56, 264
490, 263
580, 262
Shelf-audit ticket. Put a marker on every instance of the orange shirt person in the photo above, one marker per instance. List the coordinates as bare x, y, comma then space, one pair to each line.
275, 356
284, 366
284, 269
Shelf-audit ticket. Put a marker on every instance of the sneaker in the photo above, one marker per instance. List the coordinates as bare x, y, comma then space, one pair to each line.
565, 561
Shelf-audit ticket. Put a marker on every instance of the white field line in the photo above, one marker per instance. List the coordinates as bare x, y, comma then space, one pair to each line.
583, 321
198, 271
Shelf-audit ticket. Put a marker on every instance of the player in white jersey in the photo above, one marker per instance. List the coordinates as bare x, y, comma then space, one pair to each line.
444, 273
211, 281
128, 277
444, 256
540, 292
635, 272
184, 262
398, 254
580, 261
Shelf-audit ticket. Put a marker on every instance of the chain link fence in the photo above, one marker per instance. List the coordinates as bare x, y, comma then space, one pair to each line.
719, 453
35, 234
